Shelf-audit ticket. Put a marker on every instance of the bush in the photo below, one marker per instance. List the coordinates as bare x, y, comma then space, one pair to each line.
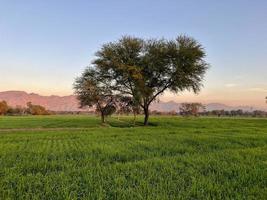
3, 107
36, 109
18, 110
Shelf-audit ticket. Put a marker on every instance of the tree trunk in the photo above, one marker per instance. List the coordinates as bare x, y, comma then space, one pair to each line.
102, 118
146, 112
134, 118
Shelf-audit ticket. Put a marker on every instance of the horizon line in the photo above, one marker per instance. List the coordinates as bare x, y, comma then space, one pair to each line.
166, 101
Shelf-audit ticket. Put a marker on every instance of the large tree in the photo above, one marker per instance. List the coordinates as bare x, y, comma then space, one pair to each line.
93, 90
145, 69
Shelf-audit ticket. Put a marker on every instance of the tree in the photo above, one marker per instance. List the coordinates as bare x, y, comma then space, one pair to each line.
3, 107
93, 90
191, 108
126, 105
18, 110
36, 109
145, 69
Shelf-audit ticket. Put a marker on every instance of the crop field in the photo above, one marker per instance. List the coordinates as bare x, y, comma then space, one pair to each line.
74, 157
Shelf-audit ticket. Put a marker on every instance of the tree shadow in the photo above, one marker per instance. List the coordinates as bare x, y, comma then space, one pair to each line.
123, 123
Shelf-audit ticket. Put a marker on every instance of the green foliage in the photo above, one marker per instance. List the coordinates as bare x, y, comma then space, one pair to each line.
108, 109
176, 158
127, 105
144, 69
93, 90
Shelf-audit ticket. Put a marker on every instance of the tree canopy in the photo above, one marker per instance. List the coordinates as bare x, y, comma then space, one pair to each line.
187, 109
145, 69
93, 90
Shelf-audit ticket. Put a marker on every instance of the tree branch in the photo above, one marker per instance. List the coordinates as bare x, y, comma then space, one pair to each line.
159, 92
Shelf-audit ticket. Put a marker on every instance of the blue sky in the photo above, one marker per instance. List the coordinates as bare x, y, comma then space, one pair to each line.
44, 45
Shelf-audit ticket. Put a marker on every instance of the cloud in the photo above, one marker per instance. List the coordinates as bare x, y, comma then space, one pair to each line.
229, 85
257, 89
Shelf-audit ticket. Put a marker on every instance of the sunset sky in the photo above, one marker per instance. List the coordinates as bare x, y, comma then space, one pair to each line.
44, 45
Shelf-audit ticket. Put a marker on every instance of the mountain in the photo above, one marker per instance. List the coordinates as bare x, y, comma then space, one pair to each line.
174, 106
70, 103
54, 103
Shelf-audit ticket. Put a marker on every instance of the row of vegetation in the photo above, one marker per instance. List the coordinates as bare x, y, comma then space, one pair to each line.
31, 109
198, 109
233, 113
126, 106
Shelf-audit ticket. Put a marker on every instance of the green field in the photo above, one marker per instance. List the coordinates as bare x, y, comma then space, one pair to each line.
74, 157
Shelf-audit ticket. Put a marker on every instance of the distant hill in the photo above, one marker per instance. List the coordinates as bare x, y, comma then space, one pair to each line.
54, 103
70, 103
174, 106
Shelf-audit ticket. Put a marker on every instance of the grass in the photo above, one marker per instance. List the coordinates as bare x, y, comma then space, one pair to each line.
174, 158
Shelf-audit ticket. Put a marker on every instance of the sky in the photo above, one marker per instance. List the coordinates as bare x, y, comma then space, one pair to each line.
44, 45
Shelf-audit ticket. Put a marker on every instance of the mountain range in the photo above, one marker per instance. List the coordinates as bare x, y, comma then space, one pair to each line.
70, 103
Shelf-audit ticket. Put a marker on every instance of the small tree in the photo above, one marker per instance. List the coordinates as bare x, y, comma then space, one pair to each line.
36, 109
93, 90
3, 107
18, 110
145, 69
191, 108
126, 105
